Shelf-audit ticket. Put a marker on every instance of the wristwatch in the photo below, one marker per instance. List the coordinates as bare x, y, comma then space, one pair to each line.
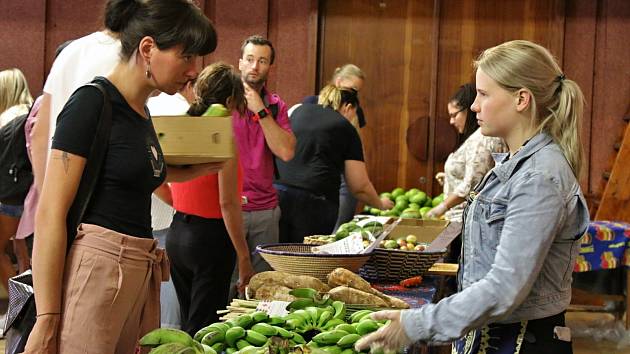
261, 114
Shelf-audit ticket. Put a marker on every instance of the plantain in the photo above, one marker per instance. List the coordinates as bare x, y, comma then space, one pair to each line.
305, 293
283, 332
173, 347
367, 326
332, 324
242, 343
234, 334
254, 338
340, 309
208, 349
325, 317
330, 337
299, 304
298, 338
161, 336
213, 337
259, 316
348, 340
333, 349
357, 316
218, 347
265, 329
347, 327
276, 321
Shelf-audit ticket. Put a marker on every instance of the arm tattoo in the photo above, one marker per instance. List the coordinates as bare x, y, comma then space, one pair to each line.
65, 159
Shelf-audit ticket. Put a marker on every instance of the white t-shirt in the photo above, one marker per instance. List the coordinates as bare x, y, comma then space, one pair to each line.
168, 105
12, 113
93, 55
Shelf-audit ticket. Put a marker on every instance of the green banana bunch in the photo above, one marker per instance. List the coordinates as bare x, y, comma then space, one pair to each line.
324, 317
161, 336
283, 332
173, 347
218, 326
330, 337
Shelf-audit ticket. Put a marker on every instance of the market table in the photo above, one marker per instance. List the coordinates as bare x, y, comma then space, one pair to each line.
606, 246
417, 297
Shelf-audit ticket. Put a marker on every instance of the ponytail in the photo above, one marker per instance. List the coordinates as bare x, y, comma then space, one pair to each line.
563, 123
218, 83
335, 97
558, 103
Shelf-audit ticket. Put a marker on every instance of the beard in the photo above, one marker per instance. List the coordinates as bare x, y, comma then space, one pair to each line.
261, 79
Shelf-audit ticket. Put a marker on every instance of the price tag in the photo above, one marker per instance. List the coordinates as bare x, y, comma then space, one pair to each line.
274, 308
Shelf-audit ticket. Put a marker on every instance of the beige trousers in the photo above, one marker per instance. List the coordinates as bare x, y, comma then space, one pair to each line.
111, 291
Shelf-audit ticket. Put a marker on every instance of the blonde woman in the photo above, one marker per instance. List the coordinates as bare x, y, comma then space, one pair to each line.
523, 223
327, 147
15, 98
348, 76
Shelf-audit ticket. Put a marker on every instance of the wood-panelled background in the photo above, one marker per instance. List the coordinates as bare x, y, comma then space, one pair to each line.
415, 54
31, 30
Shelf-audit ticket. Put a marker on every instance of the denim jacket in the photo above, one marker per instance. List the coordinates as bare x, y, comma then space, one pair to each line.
519, 243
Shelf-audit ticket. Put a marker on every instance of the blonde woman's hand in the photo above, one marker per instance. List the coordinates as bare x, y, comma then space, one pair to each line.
391, 337
440, 176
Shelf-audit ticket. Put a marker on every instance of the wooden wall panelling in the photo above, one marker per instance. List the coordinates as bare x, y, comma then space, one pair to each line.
578, 65
67, 20
22, 34
611, 88
293, 30
234, 22
389, 41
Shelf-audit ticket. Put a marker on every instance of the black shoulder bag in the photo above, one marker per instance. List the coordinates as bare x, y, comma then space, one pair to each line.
21, 314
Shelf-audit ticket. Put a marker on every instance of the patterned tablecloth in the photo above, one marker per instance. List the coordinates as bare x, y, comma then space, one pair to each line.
606, 245
416, 296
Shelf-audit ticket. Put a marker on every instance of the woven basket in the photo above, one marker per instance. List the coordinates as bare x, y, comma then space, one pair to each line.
312, 240
296, 258
396, 265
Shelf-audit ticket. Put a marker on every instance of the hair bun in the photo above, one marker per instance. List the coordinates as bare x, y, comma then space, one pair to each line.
118, 13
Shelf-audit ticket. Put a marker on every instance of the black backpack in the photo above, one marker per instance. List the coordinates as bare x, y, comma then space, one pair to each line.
16, 172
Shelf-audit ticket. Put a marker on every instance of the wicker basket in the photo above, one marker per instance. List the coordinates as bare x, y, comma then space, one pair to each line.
396, 265
296, 258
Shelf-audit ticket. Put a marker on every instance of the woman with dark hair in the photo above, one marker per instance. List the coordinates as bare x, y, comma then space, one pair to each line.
327, 146
206, 238
103, 294
472, 159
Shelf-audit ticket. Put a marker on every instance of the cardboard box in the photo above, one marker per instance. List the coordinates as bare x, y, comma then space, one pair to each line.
189, 140
426, 231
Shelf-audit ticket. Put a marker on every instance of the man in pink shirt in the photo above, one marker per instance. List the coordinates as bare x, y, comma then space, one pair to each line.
262, 132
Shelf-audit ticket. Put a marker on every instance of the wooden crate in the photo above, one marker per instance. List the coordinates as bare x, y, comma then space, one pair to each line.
194, 140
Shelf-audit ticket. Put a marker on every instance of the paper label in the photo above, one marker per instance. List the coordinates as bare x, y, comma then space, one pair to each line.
274, 308
352, 244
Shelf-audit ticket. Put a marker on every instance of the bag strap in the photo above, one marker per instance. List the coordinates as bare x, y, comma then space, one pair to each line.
93, 166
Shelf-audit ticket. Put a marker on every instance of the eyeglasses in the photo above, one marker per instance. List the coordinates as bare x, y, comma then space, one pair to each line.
454, 114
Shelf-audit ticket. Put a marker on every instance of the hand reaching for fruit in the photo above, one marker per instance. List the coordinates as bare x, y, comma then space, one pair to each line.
386, 203
437, 211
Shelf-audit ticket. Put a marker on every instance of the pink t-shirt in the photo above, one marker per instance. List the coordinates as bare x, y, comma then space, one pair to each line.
256, 157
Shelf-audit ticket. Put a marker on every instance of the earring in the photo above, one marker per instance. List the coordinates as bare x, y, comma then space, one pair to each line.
147, 73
